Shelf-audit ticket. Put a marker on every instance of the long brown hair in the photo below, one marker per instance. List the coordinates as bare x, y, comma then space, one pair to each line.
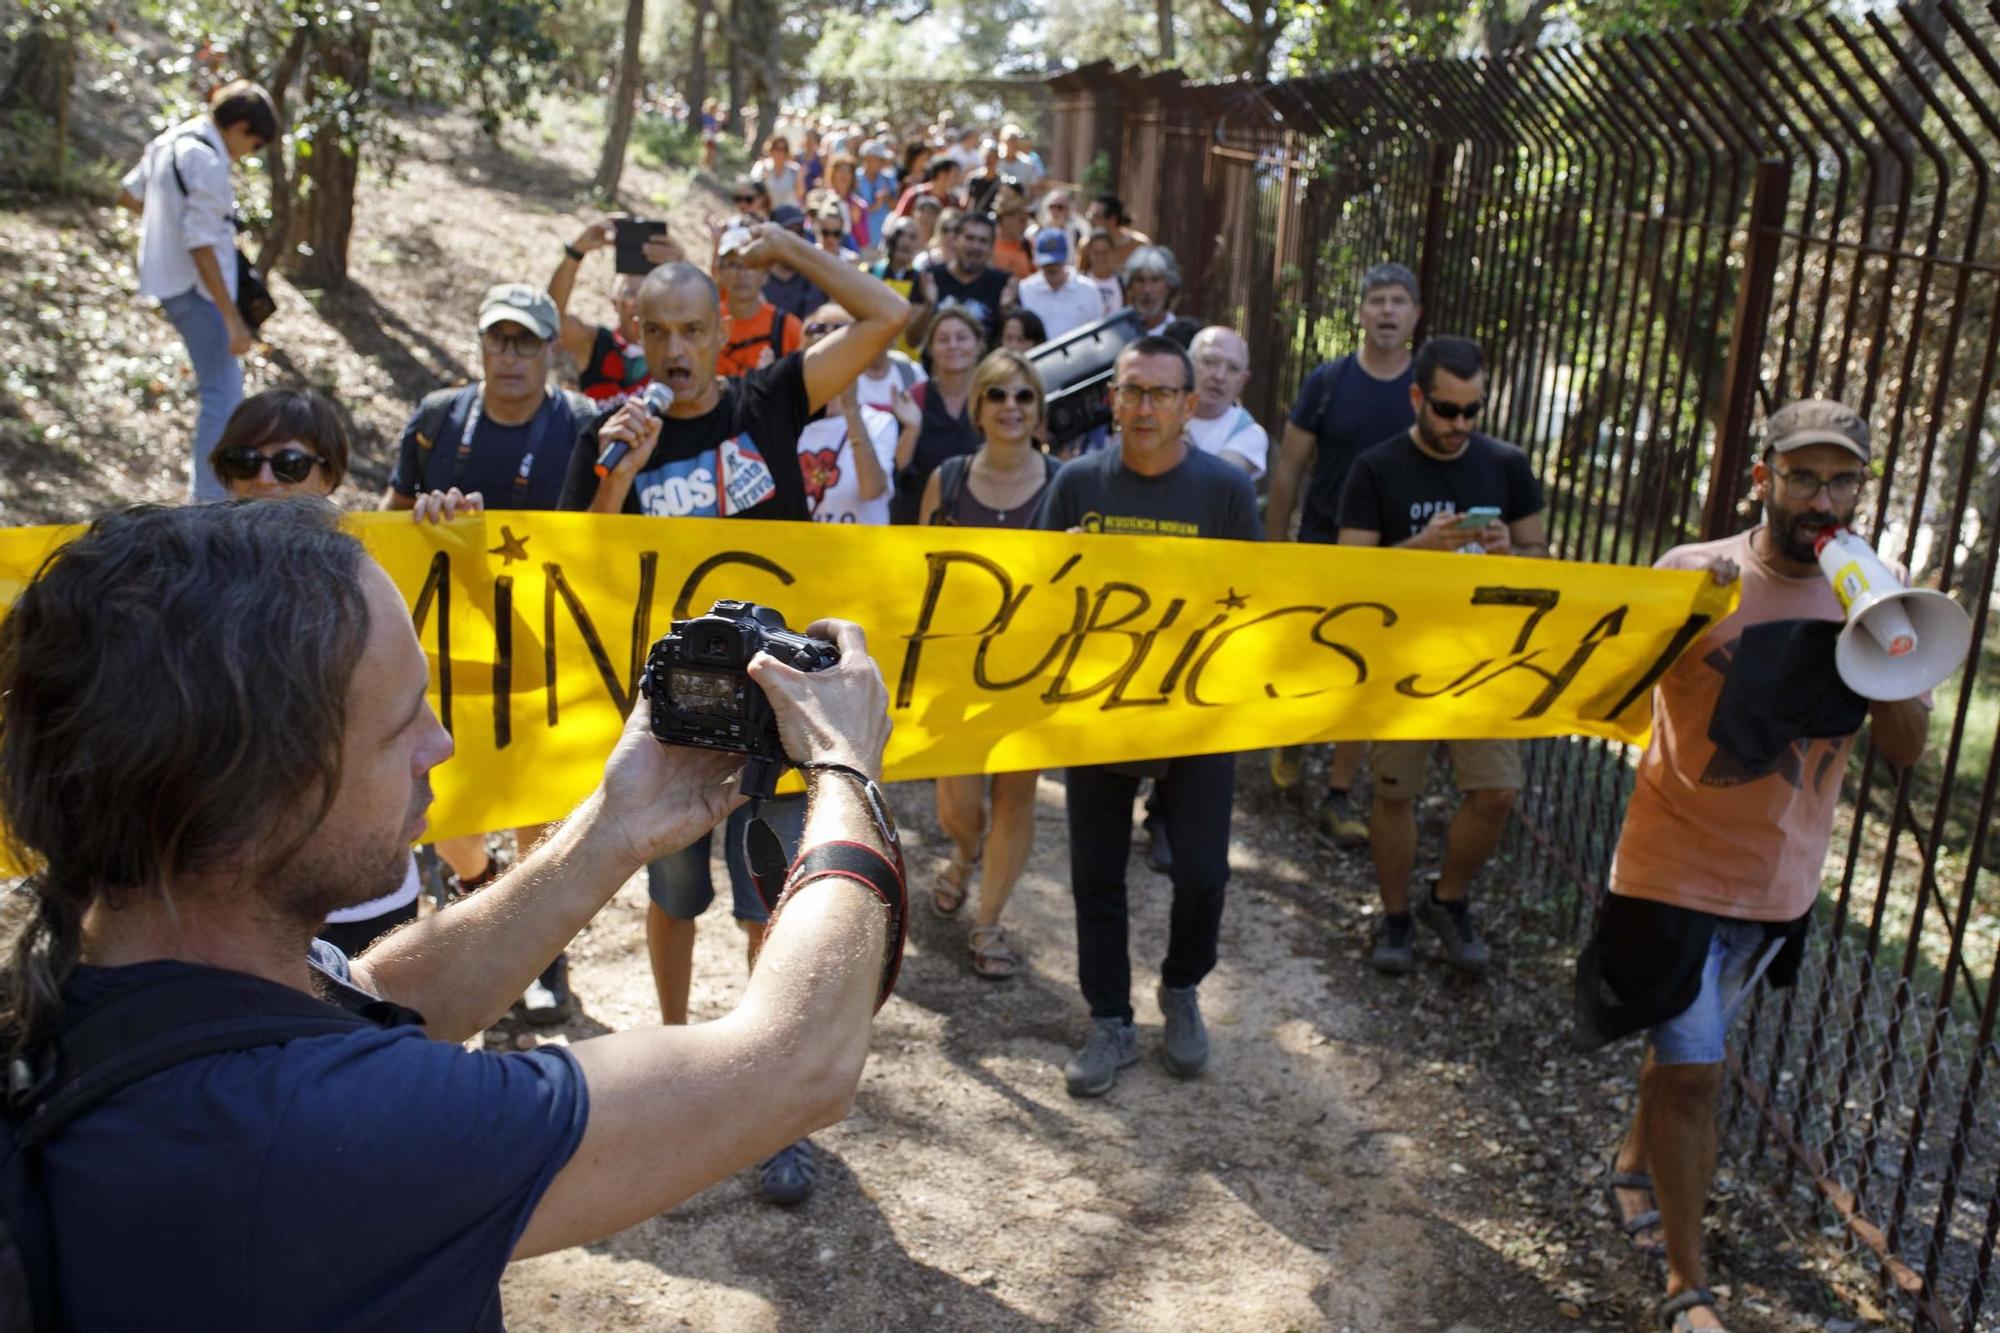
176, 693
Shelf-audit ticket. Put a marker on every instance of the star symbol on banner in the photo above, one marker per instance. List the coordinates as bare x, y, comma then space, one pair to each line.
1235, 601
511, 548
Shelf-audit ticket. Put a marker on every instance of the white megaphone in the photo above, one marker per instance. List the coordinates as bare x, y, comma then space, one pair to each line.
1899, 641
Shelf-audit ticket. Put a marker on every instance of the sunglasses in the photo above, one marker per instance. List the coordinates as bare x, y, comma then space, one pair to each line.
820, 330
999, 393
1453, 411
831, 233
746, 198
243, 463
513, 344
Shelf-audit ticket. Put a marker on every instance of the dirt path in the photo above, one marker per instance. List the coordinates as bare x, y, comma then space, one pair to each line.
1357, 1157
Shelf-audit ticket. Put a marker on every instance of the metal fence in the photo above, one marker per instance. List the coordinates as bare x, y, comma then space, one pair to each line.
1658, 239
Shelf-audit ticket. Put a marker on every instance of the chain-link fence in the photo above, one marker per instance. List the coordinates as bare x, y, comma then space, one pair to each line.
1658, 239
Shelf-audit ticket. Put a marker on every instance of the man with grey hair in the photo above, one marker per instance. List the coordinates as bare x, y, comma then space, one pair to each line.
1344, 407
1152, 280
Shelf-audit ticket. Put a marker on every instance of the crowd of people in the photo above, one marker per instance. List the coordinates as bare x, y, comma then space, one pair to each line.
857, 345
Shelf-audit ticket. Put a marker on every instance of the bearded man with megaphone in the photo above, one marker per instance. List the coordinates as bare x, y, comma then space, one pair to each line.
1719, 861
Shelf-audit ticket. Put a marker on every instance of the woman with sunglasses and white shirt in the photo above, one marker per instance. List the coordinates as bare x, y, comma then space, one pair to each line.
848, 452
996, 486
285, 444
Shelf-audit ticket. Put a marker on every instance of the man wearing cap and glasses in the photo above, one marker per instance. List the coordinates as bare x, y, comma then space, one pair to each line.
876, 183
1718, 864
1441, 486
502, 443
1062, 301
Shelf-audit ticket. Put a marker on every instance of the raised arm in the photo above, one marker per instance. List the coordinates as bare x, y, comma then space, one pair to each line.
575, 335
837, 360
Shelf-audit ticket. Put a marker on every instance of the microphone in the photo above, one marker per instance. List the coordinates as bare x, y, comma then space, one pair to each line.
657, 398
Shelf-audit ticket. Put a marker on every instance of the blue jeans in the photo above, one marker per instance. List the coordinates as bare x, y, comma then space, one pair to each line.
218, 378
682, 886
1737, 957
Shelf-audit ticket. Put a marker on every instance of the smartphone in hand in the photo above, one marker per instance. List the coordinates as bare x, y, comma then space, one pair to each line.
1478, 518
631, 235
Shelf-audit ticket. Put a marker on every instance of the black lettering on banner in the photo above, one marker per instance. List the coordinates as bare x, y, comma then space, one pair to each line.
1353, 655
1607, 627
558, 586
1186, 654
1191, 691
1058, 691
940, 563
685, 600
1540, 602
1006, 618
642, 618
503, 660
437, 584
1686, 634
1138, 662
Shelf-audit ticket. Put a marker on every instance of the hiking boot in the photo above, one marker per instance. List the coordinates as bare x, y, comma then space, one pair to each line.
1395, 952
1159, 853
787, 1176
1113, 1044
1288, 765
548, 1000
1339, 824
1185, 1048
1463, 948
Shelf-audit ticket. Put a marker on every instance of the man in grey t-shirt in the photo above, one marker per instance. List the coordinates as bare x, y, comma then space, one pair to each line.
1156, 484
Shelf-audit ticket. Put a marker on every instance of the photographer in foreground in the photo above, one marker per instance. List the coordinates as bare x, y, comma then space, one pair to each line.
173, 849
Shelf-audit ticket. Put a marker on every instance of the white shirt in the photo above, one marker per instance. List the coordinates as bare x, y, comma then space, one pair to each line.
826, 457
880, 390
388, 902
174, 224
1238, 432
1063, 309
1112, 290
780, 183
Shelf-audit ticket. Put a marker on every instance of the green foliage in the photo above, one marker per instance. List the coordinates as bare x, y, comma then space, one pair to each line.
1097, 176
665, 143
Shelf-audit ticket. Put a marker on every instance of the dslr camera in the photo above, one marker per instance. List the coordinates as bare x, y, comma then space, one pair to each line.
700, 691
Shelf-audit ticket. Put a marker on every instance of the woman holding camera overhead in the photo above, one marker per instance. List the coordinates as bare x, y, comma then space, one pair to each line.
952, 345
997, 486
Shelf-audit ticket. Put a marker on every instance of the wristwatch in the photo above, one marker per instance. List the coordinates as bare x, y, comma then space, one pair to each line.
572, 252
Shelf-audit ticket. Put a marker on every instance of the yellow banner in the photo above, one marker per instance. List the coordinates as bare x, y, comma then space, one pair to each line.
1010, 650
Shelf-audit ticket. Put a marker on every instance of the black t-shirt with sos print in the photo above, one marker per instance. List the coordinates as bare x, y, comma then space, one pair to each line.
1394, 487
739, 460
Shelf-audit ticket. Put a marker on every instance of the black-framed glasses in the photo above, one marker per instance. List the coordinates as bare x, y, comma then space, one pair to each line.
1161, 396
831, 233
513, 344
1453, 411
822, 328
289, 465
1802, 487
745, 198
1000, 393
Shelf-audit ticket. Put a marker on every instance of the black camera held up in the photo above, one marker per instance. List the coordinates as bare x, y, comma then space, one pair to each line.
701, 693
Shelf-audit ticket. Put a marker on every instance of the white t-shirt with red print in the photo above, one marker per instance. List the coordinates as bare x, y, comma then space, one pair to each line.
826, 458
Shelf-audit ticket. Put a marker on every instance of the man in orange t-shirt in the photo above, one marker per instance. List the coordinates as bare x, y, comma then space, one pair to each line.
1718, 864
755, 332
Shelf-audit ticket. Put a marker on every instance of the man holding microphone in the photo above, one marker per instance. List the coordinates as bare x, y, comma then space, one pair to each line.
725, 448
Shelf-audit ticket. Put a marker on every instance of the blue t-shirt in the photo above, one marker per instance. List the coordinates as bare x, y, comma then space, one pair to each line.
372, 1180
1348, 411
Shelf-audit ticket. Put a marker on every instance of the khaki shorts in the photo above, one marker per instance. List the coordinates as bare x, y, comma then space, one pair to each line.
1399, 766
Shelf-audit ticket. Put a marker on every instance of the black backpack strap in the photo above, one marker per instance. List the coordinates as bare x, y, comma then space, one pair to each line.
145, 1029
434, 413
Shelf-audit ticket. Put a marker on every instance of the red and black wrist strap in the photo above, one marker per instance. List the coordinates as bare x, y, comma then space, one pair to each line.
865, 866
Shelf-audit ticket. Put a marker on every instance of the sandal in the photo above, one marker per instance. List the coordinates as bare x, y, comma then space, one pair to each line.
1673, 1311
992, 957
953, 883
1637, 1223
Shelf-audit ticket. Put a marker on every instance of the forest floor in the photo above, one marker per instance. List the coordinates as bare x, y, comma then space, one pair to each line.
1363, 1154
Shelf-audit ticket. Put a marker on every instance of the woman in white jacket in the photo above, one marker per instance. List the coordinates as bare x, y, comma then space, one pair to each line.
186, 201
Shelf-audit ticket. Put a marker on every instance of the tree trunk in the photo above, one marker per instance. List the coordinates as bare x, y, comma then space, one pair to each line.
733, 119
279, 84
624, 94
40, 81
1165, 9
326, 162
697, 84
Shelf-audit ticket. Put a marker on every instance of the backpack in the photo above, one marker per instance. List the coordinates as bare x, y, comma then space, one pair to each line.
774, 335
141, 1031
